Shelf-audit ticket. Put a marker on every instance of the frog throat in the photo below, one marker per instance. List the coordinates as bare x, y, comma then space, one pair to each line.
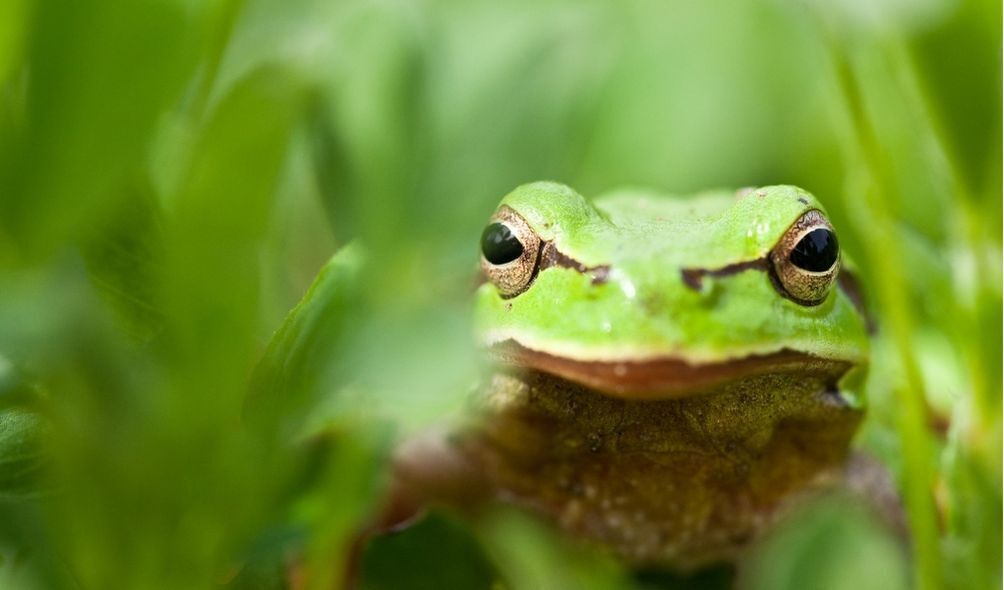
667, 377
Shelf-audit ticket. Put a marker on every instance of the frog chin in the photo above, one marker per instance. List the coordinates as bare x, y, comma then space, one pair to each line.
667, 377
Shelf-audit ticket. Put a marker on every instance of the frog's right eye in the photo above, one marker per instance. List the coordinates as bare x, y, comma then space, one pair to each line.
806, 260
509, 252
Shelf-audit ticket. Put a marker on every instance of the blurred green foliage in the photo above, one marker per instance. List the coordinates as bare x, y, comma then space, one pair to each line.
173, 174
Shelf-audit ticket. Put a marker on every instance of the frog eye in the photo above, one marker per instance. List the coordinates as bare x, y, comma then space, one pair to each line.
509, 252
806, 260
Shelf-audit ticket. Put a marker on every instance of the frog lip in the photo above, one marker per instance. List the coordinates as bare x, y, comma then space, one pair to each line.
667, 377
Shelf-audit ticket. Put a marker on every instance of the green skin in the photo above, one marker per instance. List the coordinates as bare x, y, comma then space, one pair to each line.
644, 310
656, 393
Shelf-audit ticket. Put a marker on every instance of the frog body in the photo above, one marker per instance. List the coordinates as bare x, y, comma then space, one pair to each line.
670, 379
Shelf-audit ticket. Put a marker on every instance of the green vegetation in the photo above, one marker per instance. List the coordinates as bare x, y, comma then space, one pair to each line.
174, 173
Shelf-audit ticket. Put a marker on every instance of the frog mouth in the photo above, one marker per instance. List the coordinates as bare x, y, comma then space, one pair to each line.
667, 377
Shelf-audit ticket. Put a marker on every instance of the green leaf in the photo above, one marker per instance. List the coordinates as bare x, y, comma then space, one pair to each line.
301, 363
965, 94
22, 453
90, 108
124, 258
834, 544
439, 552
23, 434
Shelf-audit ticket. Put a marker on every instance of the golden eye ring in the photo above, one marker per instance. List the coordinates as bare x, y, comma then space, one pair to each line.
510, 252
806, 260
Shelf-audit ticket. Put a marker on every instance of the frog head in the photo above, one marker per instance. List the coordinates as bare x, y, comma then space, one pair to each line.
648, 296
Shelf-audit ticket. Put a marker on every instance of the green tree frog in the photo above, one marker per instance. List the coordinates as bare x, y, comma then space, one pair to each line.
672, 373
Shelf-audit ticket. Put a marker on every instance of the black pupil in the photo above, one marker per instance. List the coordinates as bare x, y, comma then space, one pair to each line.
816, 251
499, 245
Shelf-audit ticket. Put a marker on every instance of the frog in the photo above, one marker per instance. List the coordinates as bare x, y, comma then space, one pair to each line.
668, 377
671, 375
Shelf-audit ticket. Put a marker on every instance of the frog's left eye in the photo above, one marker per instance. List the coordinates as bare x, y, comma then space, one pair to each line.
509, 252
806, 260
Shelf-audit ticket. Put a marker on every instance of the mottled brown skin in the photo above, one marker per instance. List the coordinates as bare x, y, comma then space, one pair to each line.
676, 483
680, 482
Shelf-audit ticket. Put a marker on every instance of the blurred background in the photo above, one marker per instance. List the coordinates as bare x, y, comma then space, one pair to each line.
174, 173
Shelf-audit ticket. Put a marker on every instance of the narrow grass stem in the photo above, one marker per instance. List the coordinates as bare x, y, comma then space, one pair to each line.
884, 254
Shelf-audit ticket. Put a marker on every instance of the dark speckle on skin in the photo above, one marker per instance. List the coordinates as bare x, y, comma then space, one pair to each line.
802, 201
595, 441
508, 306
